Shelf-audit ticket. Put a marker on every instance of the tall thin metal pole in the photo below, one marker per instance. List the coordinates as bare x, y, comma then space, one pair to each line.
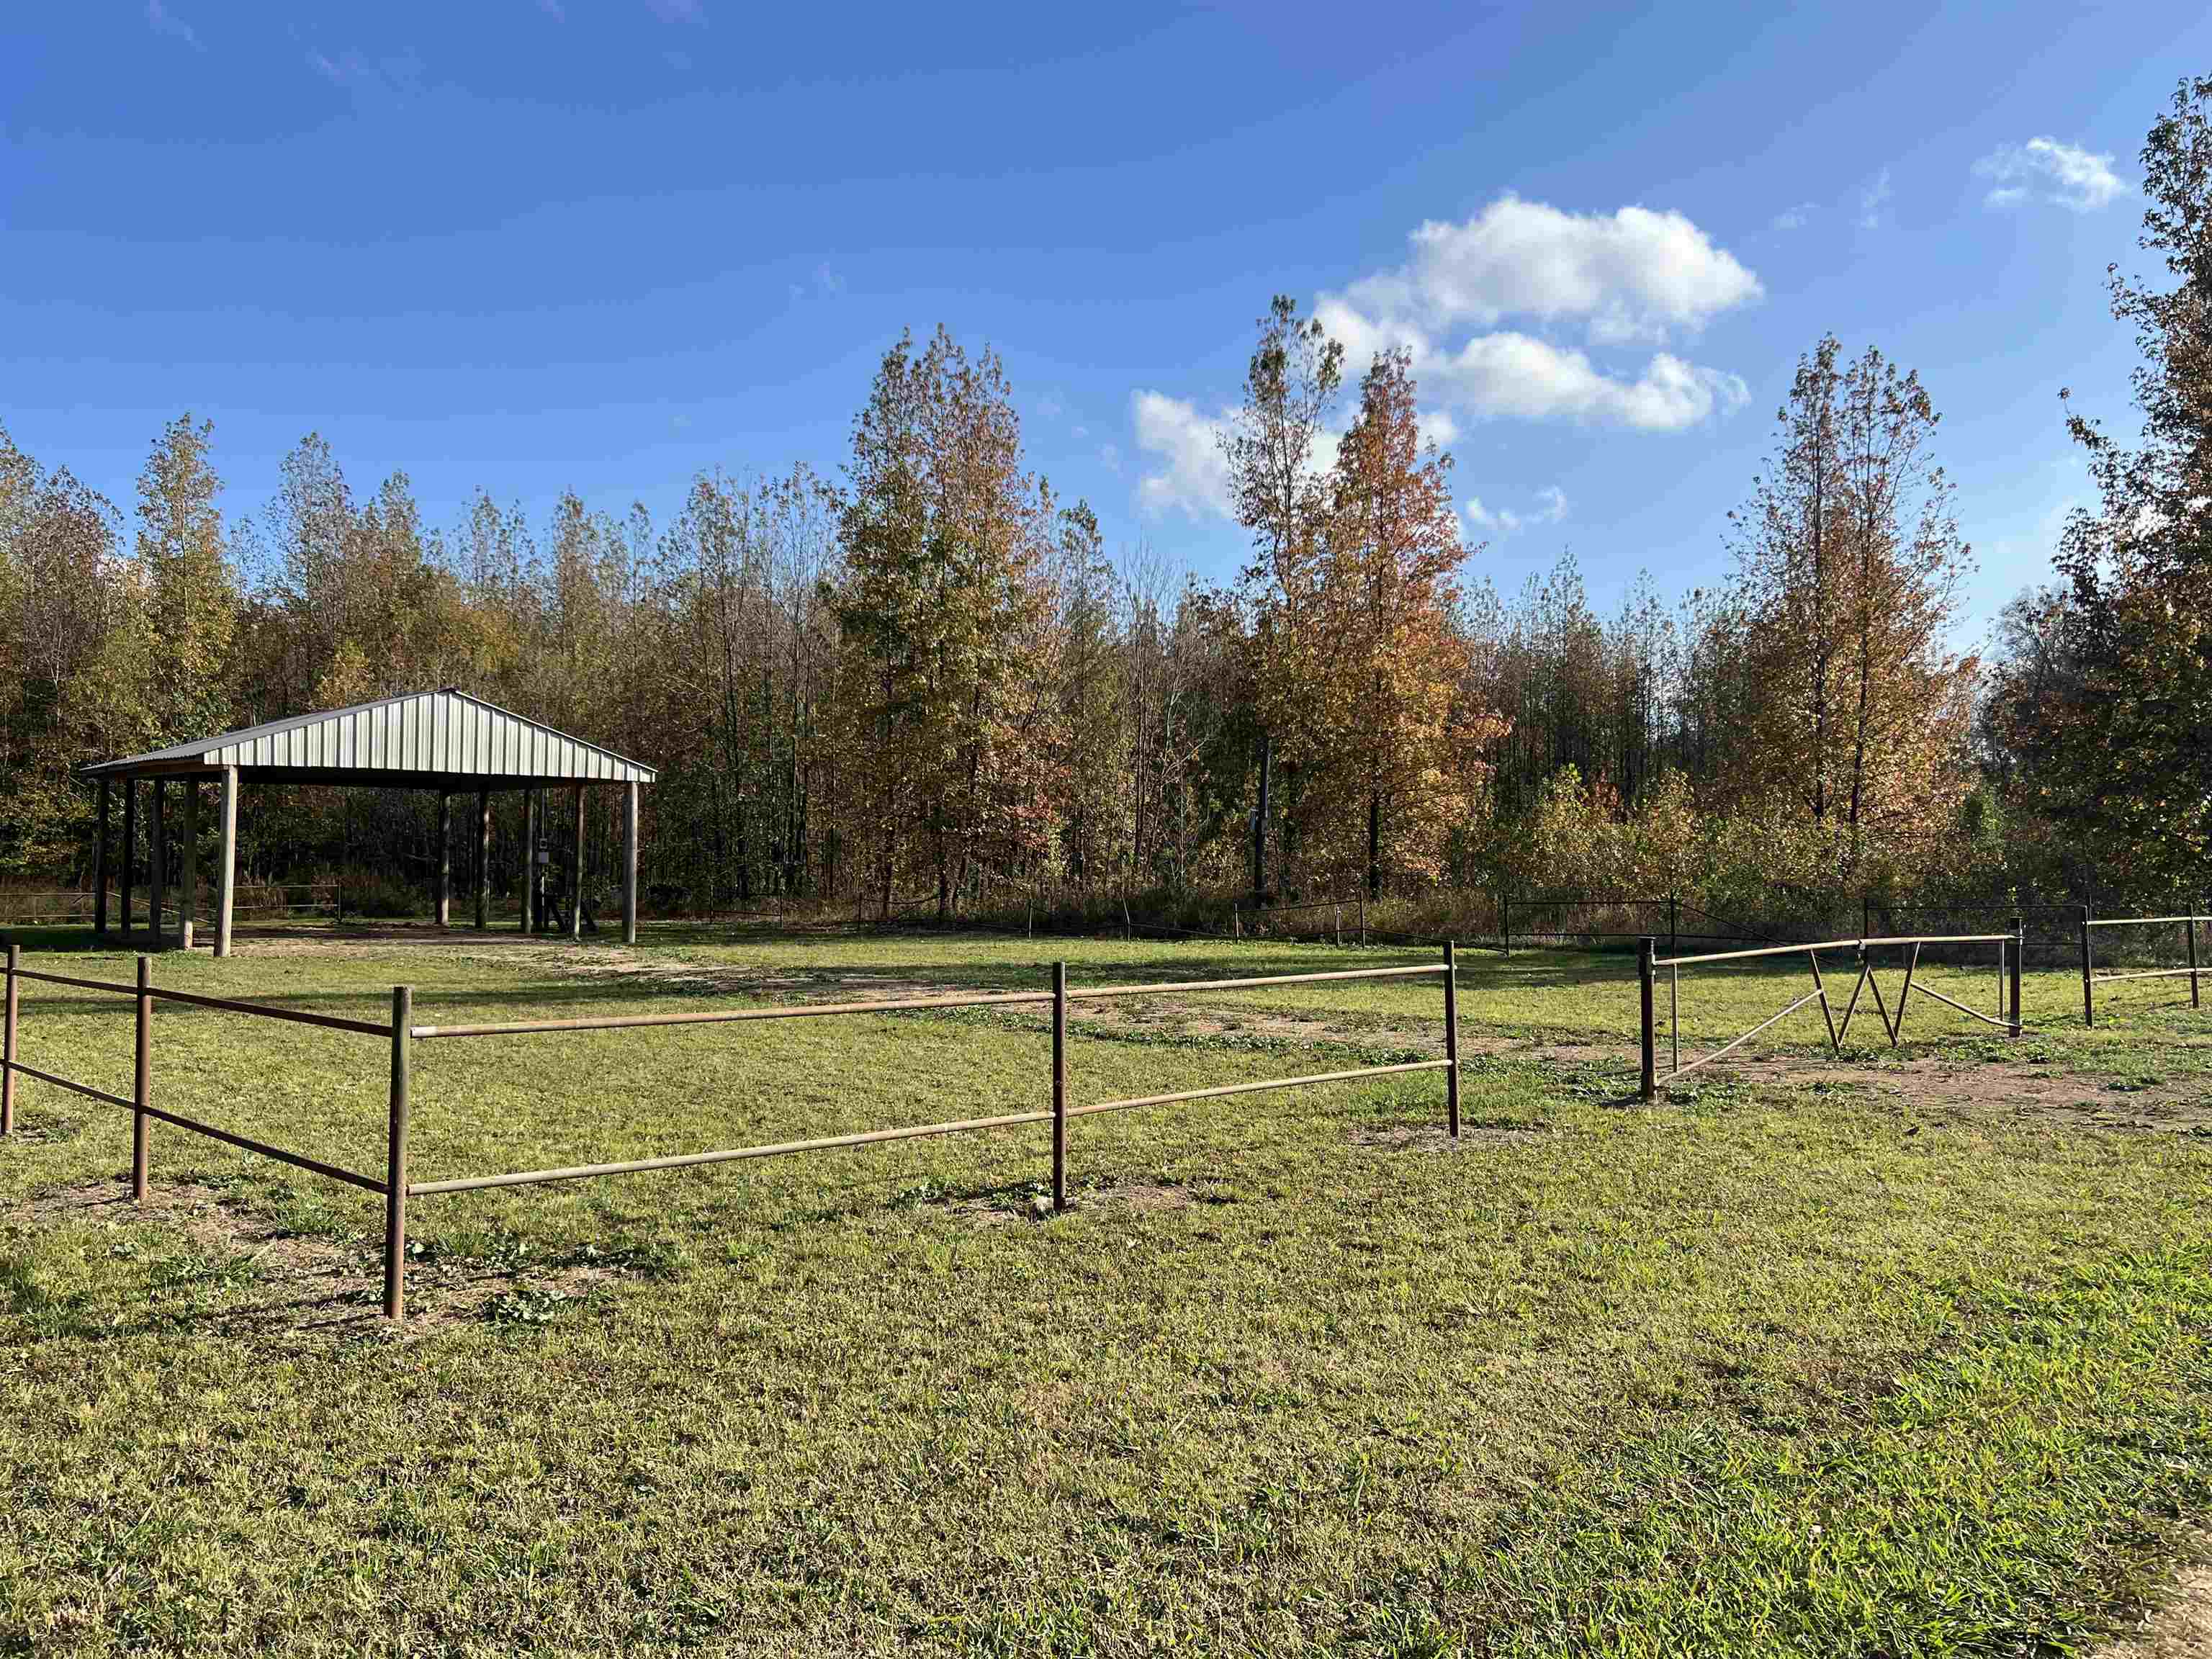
142, 1083
576, 864
484, 859
445, 858
2088, 1007
7, 1046
630, 862
130, 850
1451, 1038
157, 860
1059, 1086
1647, 950
395, 1160
2019, 950
99, 867
2190, 930
529, 919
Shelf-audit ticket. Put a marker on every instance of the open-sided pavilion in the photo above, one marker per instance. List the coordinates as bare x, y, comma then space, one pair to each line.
443, 740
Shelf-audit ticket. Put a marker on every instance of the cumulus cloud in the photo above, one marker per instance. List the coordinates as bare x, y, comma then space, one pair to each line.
1521, 377
1192, 476
1635, 277
1631, 275
2050, 172
1551, 507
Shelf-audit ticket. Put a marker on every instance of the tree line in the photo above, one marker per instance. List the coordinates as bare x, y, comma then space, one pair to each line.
924, 683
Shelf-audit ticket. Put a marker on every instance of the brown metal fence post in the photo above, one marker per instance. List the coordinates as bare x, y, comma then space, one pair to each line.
395, 1162
2088, 1007
1451, 1038
2189, 927
7, 1046
1506, 922
1673, 925
2019, 949
1059, 1086
1647, 949
142, 1083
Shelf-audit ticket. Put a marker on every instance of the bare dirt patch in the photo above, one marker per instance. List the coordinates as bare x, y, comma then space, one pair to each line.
2179, 1627
303, 1292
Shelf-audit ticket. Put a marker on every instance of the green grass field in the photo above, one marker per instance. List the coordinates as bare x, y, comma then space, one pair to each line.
1903, 1354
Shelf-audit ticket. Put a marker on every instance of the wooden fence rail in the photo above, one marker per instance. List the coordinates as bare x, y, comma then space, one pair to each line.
403, 1033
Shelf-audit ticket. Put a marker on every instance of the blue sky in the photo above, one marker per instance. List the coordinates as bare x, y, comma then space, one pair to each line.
605, 244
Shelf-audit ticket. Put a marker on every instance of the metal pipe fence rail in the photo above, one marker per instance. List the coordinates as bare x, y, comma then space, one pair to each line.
403, 1033
2091, 979
2007, 1018
144, 995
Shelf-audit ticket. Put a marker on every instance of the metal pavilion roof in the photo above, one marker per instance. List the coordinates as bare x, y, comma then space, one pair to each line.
442, 738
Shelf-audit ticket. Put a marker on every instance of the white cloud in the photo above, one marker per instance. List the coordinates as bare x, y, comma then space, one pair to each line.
164, 21
1552, 506
1109, 457
1872, 200
1436, 427
2051, 172
1794, 218
1518, 376
1632, 276
677, 11
1193, 474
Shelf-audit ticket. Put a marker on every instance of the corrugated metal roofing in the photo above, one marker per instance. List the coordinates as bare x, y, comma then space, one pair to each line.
444, 733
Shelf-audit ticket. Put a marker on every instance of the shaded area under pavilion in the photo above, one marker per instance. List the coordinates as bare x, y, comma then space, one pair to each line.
444, 740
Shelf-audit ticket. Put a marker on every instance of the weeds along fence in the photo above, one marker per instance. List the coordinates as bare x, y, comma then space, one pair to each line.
2156, 930
396, 1186
2007, 1018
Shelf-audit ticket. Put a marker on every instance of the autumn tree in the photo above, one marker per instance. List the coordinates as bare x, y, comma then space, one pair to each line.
1279, 488
2124, 762
1848, 564
1394, 666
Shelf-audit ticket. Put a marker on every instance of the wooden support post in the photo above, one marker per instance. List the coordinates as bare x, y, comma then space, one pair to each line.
226, 875
2019, 949
1506, 921
99, 866
445, 858
2088, 1005
130, 849
7, 1045
157, 861
1451, 1038
188, 883
484, 859
630, 862
576, 866
1647, 950
141, 1085
1059, 1086
395, 1156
